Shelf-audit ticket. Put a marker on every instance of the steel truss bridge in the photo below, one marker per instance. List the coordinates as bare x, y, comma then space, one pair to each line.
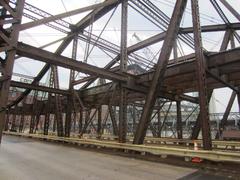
146, 95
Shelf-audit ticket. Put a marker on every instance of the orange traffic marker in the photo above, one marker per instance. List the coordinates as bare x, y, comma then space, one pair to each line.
196, 159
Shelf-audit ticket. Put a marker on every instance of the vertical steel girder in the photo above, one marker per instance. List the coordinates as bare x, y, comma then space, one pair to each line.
197, 126
80, 122
168, 43
58, 105
74, 56
134, 114
179, 120
68, 119
113, 119
99, 122
159, 124
47, 115
13, 124
123, 115
6, 122
227, 37
201, 77
123, 68
8, 68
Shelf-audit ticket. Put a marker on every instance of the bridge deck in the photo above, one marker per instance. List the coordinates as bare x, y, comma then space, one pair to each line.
22, 158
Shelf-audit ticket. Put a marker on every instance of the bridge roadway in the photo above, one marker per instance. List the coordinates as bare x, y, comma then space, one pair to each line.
26, 159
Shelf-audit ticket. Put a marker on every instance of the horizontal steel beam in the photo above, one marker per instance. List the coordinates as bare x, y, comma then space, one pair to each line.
39, 88
134, 88
179, 77
58, 60
214, 60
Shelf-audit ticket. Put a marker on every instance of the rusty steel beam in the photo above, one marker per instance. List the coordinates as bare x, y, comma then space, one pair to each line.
225, 41
161, 67
79, 26
113, 119
157, 38
93, 16
201, 77
39, 88
123, 69
8, 67
54, 59
99, 121
161, 36
179, 120
238, 100
231, 9
64, 15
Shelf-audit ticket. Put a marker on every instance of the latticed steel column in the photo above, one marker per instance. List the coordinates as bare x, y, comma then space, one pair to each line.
179, 120
123, 68
80, 122
161, 66
8, 67
201, 77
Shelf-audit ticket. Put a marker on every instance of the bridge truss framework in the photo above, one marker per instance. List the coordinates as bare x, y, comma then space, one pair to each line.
165, 82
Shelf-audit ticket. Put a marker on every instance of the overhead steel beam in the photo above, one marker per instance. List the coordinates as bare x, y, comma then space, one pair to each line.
161, 67
64, 15
157, 38
136, 88
231, 9
39, 88
160, 37
54, 59
80, 25
93, 16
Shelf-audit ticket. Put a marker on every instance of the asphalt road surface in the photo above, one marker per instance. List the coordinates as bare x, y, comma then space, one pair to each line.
26, 159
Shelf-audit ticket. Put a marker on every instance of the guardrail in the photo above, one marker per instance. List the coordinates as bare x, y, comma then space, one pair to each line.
233, 145
162, 151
